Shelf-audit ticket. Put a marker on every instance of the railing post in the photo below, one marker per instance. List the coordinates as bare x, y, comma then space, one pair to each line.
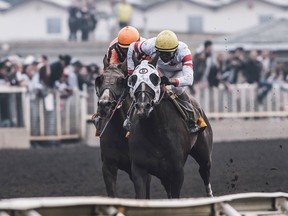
83, 111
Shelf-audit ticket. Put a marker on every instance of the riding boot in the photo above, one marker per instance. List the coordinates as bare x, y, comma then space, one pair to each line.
192, 119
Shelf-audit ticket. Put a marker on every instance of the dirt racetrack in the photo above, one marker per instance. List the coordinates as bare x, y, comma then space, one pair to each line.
75, 170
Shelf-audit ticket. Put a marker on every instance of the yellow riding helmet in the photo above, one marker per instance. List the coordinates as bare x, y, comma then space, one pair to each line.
127, 35
166, 41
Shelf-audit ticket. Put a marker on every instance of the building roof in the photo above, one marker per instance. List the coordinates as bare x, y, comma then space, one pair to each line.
270, 35
147, 4
56, 3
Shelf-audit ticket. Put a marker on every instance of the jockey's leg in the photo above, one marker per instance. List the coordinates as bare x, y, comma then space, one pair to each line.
193, 114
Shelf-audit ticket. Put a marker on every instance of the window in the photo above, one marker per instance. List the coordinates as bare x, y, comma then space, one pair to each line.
53, 25
265, 18
195, 24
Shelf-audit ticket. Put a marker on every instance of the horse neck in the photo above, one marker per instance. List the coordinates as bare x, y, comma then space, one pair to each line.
162, 112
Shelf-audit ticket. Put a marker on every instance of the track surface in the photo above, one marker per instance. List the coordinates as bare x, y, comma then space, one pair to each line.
75, 170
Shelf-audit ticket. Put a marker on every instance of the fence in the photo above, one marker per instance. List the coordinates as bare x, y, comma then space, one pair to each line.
44, 118
57, 118
239, 102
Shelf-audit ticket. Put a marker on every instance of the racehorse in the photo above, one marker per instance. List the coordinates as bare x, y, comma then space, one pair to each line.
110, 88
159, 141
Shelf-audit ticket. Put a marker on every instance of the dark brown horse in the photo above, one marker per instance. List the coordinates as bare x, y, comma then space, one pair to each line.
110, 87
159, 141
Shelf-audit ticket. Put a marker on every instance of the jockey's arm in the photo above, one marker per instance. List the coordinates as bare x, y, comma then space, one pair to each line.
130, 53
139, 48
188, 74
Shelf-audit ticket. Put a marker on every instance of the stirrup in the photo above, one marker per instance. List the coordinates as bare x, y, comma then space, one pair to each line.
127, 124
194, 128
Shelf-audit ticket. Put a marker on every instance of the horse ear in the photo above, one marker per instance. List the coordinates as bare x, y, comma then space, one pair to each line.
98, 80
105, 62
135, 60
155, 59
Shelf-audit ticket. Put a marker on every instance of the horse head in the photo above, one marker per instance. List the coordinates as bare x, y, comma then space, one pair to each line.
109, 87
145, 88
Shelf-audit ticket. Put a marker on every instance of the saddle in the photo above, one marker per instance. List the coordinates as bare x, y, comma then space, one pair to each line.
187, 110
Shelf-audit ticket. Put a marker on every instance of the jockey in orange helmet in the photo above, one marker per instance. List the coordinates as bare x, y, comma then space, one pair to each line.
116, 54
117, 51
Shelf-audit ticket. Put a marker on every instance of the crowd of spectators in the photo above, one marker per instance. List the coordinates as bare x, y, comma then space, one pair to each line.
41, 77
239, 66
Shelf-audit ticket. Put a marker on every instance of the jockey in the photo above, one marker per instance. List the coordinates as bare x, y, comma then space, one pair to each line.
174, 64
116, 54
117, 51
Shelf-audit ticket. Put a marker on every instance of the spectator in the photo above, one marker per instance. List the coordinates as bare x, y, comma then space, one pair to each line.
94, 71
264, 58
124, 13
73, 73
44, 75
88, 23
206, 67
73, 22
58, 67
235, 65
83, 78
62, 85
253, 68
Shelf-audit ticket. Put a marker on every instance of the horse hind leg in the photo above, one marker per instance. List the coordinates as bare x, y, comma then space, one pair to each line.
167, 187
204, 169
110, 178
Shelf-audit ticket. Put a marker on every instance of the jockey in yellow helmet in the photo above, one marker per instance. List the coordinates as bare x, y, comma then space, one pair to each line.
174, 63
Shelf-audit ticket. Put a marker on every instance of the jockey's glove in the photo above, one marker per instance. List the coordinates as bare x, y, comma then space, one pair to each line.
165, 80
172, 81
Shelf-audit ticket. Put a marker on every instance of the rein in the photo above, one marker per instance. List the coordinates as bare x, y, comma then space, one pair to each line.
118, 105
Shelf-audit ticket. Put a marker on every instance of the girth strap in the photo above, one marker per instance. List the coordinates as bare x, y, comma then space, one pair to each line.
180, 107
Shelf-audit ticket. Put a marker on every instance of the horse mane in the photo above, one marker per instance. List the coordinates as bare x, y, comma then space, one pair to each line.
113, 68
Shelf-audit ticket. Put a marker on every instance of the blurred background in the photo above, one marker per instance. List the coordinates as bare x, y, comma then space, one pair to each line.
96, 21
239, 47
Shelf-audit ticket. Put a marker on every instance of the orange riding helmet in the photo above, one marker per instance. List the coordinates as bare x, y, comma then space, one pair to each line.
127, 35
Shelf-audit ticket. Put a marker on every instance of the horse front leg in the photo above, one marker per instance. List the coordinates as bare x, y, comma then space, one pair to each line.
148, 183
177, 182
109, 173
140, 179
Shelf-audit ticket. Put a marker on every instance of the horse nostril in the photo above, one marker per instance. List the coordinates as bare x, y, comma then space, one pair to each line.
108, 104
148, 106
137, 106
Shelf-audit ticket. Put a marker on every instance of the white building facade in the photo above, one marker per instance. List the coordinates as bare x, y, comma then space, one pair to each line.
46, 20
34, 20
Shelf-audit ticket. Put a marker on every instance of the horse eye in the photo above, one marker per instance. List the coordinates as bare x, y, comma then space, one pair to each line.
154, 79
148, 106
120, 81
132, 80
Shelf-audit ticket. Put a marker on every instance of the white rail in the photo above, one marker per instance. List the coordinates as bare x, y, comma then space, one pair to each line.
246, 204
67, 118
238, 102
